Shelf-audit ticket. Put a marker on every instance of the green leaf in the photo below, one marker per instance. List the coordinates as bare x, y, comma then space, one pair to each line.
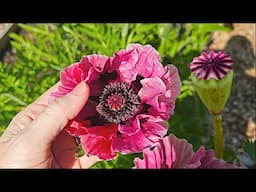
250, 149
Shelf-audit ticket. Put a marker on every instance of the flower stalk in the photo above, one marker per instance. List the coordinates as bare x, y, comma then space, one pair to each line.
218, 135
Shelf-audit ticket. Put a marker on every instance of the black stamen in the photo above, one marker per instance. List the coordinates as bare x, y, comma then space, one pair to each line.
118, 103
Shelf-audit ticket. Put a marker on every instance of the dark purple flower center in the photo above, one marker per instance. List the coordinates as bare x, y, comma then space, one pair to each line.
118, 102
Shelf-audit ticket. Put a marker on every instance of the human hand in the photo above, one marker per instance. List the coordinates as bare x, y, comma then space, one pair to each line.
34, 137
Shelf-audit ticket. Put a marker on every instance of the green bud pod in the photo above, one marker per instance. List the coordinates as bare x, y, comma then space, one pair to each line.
213, 93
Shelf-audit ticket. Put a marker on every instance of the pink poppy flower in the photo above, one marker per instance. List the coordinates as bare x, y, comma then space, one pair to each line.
174, 153
131, 97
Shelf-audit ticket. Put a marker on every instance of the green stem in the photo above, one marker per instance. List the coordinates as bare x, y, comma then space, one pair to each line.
218, 135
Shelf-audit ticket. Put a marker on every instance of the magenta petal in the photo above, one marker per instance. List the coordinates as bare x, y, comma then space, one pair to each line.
137, 60
170, 152
98, 141
96, 145
76, 129
130, 128
151, 88
183, 151
162, 156
209, 161
159, 156
93, 66
130, 144
161, 93
126, 60
163, 107
140, 163
152, 129
151, 159
97, 61
67, 77
195, 161
154, 93
148, 64
172, 81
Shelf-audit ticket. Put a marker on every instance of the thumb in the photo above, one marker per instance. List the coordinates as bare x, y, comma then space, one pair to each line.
54, 118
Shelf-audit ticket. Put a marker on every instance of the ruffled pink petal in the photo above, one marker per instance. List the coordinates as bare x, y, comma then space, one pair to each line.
88, 69
71, 75
176, 153
163, 107
161, 156
151, 159
151, 88
93, 66
128, 144
208, 160
98, 62
92, 74
137, 60
183, 151
170, 152
164, 104
148, 64
76, 129
98, 141
161, 93
69, 78
172, 81
126, 60
97, 145
154, 93
140, 163
130, 128
152, 129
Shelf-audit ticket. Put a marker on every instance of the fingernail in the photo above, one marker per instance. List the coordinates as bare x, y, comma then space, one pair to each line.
79, 89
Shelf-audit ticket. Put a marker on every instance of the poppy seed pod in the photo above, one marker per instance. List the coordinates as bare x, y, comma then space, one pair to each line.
212, 78
214, 93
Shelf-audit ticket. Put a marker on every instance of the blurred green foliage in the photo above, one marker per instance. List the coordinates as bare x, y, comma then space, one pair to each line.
250, 149
42, 50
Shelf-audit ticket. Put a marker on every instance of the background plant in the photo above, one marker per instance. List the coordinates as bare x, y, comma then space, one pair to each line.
42, 50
